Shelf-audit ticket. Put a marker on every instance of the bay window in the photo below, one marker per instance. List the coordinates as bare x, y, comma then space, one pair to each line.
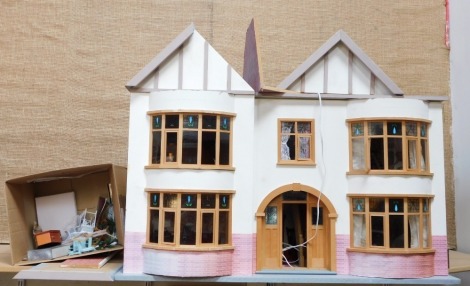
389, 146
191, 140
390, 223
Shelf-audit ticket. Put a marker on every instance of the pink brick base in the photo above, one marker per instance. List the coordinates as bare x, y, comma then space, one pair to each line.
392, 265
239, 261
187, 263
133, 255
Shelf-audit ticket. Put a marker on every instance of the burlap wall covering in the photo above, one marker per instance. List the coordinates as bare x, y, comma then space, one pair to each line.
64, 64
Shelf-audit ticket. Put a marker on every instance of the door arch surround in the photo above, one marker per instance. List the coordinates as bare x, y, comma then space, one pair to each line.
324, 201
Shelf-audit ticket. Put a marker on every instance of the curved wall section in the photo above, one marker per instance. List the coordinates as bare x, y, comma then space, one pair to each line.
174, 100
391, 265
387, 184
187, 263
190, 179
388, 108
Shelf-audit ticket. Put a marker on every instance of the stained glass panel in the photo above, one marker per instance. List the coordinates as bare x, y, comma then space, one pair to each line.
395, 205
357, 129
359, 204
224, 123
190, 121
155, 200
157, 122
376, 204
189, 201
424, 128
394, 128
271, 215
224, 201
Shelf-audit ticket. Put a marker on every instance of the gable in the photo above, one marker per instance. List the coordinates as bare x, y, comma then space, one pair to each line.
340, 67
189, 62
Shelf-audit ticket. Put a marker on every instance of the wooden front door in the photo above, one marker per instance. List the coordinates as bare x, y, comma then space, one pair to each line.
293, 233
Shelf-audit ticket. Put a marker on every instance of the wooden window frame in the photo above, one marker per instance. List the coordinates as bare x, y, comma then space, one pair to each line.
297, 160
424, 246
405, 139
177, 162
199, 245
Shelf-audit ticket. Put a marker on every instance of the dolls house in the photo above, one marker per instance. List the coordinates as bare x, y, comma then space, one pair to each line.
335, 171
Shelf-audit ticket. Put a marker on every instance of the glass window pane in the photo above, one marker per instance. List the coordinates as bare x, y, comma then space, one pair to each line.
426, 231
287, 127
425, 205
157, 122
395, 205
317, 213
271, 215
171, 149
413, 231
224, 201
209, 121
359, 205
396, 231
377, 226
170, 200
304, 148
190, 121
423, 158
358, 157
172, 121
169, 230
411, 129
294, 196
395, 154
154, 221
377, 153
208, 148
224, 149
189, 201
376, 128
155, 200
291, 154
188, 228
357, 129
376, 204
304, 127
156, 147
208, 201
394, 128
189, 152
412, 158
207, 228
359, 230
413, 205
223, 227
224, 123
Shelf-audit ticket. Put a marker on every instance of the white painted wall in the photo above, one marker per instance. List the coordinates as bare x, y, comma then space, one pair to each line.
460, 101
330, 173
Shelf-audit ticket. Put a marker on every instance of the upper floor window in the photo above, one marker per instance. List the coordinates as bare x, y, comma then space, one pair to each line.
189, 219
296, 142
390, 223
393, 146
191, 139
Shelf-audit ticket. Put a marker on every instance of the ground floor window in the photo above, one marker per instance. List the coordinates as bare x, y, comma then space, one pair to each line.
390, 223
189, 218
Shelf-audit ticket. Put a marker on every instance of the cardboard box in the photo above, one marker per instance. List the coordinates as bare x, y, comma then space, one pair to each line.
88, 184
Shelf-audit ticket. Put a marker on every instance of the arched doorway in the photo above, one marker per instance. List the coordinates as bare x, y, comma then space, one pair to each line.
296, 229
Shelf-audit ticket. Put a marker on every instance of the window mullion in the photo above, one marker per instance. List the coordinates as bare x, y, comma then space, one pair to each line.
405, 223
199, 139
217, 140
386, 224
